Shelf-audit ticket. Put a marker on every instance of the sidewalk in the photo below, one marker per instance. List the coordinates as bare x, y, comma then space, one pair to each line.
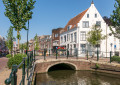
5, 72
3, 63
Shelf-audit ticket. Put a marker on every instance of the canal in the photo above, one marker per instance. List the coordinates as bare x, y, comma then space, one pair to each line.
71, 77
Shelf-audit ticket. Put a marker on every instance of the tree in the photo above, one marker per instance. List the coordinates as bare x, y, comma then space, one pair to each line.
23, 46
95, 36
36, 42
10, 39
18, 12
115, 19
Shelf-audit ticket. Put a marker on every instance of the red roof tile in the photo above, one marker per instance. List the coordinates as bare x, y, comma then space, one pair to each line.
73, 22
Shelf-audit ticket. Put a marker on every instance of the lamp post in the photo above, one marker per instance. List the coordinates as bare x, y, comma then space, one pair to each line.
27, 38
111, 46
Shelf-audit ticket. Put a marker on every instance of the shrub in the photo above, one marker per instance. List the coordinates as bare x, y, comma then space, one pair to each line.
8, 56
115, 58
97, 66
17, 59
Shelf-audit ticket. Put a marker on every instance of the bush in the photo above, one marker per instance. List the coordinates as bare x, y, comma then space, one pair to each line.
8, 56
115, 58
17, 59
97, 66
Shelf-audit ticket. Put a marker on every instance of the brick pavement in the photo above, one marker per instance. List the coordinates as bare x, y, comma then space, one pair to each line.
3, 63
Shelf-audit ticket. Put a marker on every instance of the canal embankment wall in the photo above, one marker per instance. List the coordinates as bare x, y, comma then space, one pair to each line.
43, 66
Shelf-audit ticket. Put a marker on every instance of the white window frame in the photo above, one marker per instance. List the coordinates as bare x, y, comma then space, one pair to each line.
75, 37
87, 15
72, 37
85, 24
83, 36
95, 15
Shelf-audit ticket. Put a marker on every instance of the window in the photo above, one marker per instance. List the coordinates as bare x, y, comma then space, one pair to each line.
83, 48
85, 24
98, 23
87, 15
74, 45
61, 39
75, 36
95, 15
65, 38
68, 46
71, 37
68, 28
56, 35
83, 36
53, 36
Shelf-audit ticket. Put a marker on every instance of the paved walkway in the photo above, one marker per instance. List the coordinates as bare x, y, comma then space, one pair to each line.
5, 72
3, 63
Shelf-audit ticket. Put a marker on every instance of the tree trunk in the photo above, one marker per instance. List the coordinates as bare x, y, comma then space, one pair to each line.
18, 40
93, 52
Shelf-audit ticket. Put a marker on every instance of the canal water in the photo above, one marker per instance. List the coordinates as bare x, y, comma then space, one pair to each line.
70, 77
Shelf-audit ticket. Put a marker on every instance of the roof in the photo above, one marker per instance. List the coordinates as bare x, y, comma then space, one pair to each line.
73, 22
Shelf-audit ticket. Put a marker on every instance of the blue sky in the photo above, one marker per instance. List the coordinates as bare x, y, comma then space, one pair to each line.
50, 14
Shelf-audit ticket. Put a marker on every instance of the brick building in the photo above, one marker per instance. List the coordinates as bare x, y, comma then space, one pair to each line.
45, 42
56, 38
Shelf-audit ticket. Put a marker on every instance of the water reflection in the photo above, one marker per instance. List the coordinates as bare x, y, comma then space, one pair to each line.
70, 77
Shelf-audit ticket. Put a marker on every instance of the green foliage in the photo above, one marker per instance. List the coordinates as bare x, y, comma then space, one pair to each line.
17, 59
97, 66
23, 46
36, 43
19, 12
115, 58
95, 36
10, 38
8, 55
115, 19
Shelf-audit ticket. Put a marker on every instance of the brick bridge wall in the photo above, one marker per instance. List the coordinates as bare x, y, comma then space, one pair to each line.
42, 67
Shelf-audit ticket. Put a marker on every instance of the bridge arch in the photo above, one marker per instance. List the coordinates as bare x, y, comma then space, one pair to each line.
66, 65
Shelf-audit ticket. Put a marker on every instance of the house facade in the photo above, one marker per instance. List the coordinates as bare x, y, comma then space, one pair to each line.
56, 38
74, 34
45, 42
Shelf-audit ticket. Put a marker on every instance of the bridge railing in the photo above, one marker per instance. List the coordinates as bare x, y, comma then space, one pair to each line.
27, 71
78, 54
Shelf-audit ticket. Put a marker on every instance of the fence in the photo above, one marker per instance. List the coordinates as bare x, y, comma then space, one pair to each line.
29, 69
75, 53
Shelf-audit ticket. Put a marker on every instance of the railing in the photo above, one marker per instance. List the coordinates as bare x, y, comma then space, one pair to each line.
74, 53
29, 69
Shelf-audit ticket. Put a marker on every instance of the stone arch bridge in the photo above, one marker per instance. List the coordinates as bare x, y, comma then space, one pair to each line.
43, 66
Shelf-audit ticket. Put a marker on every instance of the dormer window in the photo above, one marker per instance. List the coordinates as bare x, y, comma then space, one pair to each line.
68, 28
87, 15
95, 15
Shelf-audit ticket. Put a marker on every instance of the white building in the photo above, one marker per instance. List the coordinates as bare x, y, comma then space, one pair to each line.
74, 34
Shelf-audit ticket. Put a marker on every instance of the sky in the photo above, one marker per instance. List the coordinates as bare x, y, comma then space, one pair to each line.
51, 14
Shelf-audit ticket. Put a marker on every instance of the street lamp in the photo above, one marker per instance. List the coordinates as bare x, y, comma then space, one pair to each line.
27, 38
111, 46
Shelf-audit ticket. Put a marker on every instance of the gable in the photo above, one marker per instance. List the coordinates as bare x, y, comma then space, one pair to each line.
73, 22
